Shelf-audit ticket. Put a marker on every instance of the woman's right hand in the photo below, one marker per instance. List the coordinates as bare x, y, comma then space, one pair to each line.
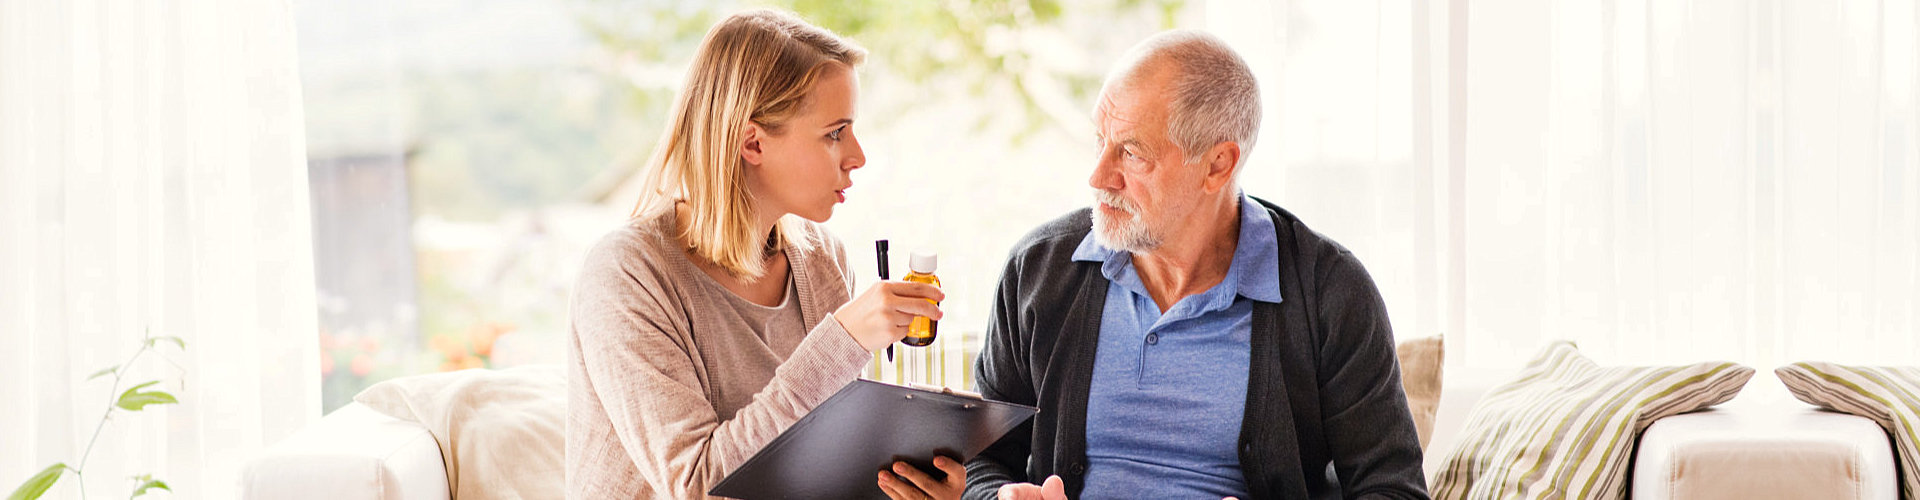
880, 315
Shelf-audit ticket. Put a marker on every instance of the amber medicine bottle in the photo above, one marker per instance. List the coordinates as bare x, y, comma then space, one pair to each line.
923, 329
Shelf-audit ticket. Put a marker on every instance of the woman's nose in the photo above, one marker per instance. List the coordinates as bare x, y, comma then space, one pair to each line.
856, 157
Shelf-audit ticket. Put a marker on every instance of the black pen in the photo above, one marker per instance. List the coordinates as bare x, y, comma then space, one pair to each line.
880, 251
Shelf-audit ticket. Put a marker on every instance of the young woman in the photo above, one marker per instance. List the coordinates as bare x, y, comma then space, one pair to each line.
720, 313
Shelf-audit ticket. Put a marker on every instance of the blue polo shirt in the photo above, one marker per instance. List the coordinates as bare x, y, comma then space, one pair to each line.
1169, 391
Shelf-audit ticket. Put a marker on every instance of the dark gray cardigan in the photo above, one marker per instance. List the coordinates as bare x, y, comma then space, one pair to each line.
1325, 415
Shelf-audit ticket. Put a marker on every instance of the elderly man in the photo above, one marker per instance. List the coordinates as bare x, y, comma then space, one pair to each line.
1182, 339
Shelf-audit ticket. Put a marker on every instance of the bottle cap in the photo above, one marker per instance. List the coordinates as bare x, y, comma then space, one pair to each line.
923, 262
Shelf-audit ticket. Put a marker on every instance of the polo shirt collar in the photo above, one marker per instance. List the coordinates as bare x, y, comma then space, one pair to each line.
1254, 272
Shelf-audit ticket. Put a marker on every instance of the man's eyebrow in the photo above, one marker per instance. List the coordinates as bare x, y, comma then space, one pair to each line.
1128, 141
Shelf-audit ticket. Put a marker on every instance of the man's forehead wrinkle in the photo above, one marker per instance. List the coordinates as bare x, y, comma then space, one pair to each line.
1109, 121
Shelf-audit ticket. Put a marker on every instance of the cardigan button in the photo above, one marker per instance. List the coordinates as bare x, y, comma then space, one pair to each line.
1077, 468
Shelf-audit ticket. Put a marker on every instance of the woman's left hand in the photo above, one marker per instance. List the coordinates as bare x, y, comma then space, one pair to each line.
906, 482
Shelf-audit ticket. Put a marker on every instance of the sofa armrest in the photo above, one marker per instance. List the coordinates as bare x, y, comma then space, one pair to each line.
1764, 448
353, 453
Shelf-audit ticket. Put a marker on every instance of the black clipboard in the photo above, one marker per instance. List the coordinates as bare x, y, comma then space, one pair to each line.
838, 449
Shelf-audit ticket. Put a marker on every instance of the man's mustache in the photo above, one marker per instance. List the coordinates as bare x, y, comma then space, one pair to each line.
1114, 200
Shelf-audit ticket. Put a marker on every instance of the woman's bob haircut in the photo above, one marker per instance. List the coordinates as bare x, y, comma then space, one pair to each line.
753, 67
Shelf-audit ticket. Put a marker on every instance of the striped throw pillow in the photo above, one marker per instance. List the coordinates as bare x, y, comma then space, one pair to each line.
1887, 395
1566, 427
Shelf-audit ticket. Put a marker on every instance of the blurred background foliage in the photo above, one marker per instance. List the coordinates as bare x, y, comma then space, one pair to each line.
592, 127
515, 125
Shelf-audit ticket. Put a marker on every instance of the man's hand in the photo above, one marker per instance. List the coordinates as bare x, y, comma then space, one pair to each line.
918, 485
1053, 489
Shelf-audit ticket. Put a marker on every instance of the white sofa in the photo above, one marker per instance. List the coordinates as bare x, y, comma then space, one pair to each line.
1763, 444
351, 454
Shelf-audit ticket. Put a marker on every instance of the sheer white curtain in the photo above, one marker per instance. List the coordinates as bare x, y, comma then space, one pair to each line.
1676, 180
1348, 137
1659, 181
152, 178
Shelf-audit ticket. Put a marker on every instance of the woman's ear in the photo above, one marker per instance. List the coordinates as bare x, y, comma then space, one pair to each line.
750, 145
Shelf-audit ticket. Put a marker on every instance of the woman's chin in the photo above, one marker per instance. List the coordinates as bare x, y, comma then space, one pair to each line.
817, 216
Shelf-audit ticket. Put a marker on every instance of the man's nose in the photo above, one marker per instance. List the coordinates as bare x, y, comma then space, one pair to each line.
1104, 174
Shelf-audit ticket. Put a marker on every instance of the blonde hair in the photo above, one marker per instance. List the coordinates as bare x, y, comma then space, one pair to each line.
753, 67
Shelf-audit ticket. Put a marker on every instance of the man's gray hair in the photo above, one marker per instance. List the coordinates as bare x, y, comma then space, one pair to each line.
1215, 97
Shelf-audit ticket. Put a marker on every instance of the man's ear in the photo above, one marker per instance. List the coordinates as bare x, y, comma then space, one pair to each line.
1221, 161
750, 146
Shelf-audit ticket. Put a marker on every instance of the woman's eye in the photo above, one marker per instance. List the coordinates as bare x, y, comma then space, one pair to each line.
835, 134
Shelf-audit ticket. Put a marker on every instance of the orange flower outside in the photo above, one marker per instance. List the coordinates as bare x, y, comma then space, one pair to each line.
472, 350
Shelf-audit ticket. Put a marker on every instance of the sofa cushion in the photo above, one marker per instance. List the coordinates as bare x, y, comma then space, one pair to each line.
1565, 427
1420, 362
501, 432
1889, 396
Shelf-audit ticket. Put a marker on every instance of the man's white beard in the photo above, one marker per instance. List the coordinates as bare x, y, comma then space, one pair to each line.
1130, 235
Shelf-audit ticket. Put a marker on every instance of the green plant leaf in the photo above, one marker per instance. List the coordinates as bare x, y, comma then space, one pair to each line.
39, 483
151, 341
104, 372
135, 400
147, 482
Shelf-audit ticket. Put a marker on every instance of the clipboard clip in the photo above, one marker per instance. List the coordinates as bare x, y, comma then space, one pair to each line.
945, 390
